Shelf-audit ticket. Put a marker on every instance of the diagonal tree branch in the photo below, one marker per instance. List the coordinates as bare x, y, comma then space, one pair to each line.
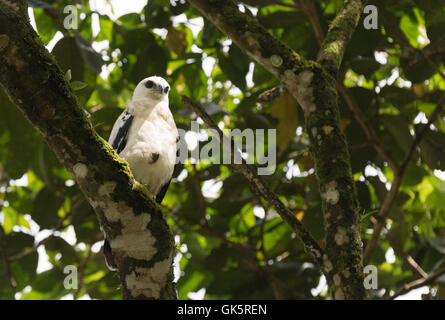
398, 249
259, 187
142, 242
418, 283
310, 10
338, 36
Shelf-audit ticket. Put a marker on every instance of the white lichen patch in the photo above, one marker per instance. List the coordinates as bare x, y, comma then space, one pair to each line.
337, 279
251, 40
331, 194
305, 78
80, 170
346, 273
107, 188
289, 73
149, 281
304, 92
339, 295
327, 263
136, 240
276, 60
137, 245
341, 236
327, 129
135, 224
111, 210
97, 204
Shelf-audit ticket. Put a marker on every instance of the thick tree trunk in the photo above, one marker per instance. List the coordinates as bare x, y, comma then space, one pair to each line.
142, 242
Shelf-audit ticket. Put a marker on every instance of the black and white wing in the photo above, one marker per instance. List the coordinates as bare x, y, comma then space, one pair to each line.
119, 134
163, 191
118, 140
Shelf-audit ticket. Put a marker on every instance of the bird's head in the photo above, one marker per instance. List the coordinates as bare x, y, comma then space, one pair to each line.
154, 88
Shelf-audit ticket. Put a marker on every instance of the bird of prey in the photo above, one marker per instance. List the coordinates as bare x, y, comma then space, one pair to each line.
145, 135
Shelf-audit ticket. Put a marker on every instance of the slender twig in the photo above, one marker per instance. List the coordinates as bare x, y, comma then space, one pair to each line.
258, 186
81, 273
42, 242
389, 200
401, 253
272, 94
418, 283
309, 8
57, 227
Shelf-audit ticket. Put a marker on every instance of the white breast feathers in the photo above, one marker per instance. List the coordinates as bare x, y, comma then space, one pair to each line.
151, 144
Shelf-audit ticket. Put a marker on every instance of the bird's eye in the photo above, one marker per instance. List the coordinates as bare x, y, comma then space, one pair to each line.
166, 89
149, 84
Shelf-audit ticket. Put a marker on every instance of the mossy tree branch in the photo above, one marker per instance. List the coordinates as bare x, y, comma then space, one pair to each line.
340, 31
310, 9
142, 242
313, 86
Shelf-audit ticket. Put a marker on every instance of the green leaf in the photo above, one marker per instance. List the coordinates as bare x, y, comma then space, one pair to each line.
157, 14
68, 75
18, 139
58, 245
45, 208
413, 175
78, 85
398, 126
364, 65
71, 53
45, 25
235, 64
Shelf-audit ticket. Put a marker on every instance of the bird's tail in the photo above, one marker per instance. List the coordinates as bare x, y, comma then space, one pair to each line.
109, 259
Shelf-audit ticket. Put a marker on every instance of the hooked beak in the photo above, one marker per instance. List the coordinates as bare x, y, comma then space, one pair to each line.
159, 89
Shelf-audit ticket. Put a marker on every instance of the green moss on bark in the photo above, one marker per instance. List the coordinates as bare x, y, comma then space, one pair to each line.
33, 80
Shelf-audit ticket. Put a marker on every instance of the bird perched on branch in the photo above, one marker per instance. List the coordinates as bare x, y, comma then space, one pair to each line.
145, 135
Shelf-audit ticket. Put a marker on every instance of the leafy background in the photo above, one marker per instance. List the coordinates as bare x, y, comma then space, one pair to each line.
230, 243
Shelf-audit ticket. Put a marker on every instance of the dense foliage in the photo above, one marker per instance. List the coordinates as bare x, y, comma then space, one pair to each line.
229, 241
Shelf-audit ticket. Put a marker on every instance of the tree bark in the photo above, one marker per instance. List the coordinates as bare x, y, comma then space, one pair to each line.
313, 84
142, 242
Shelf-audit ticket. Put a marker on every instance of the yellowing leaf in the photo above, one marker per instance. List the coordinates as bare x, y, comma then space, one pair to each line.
300, 215
285, 110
